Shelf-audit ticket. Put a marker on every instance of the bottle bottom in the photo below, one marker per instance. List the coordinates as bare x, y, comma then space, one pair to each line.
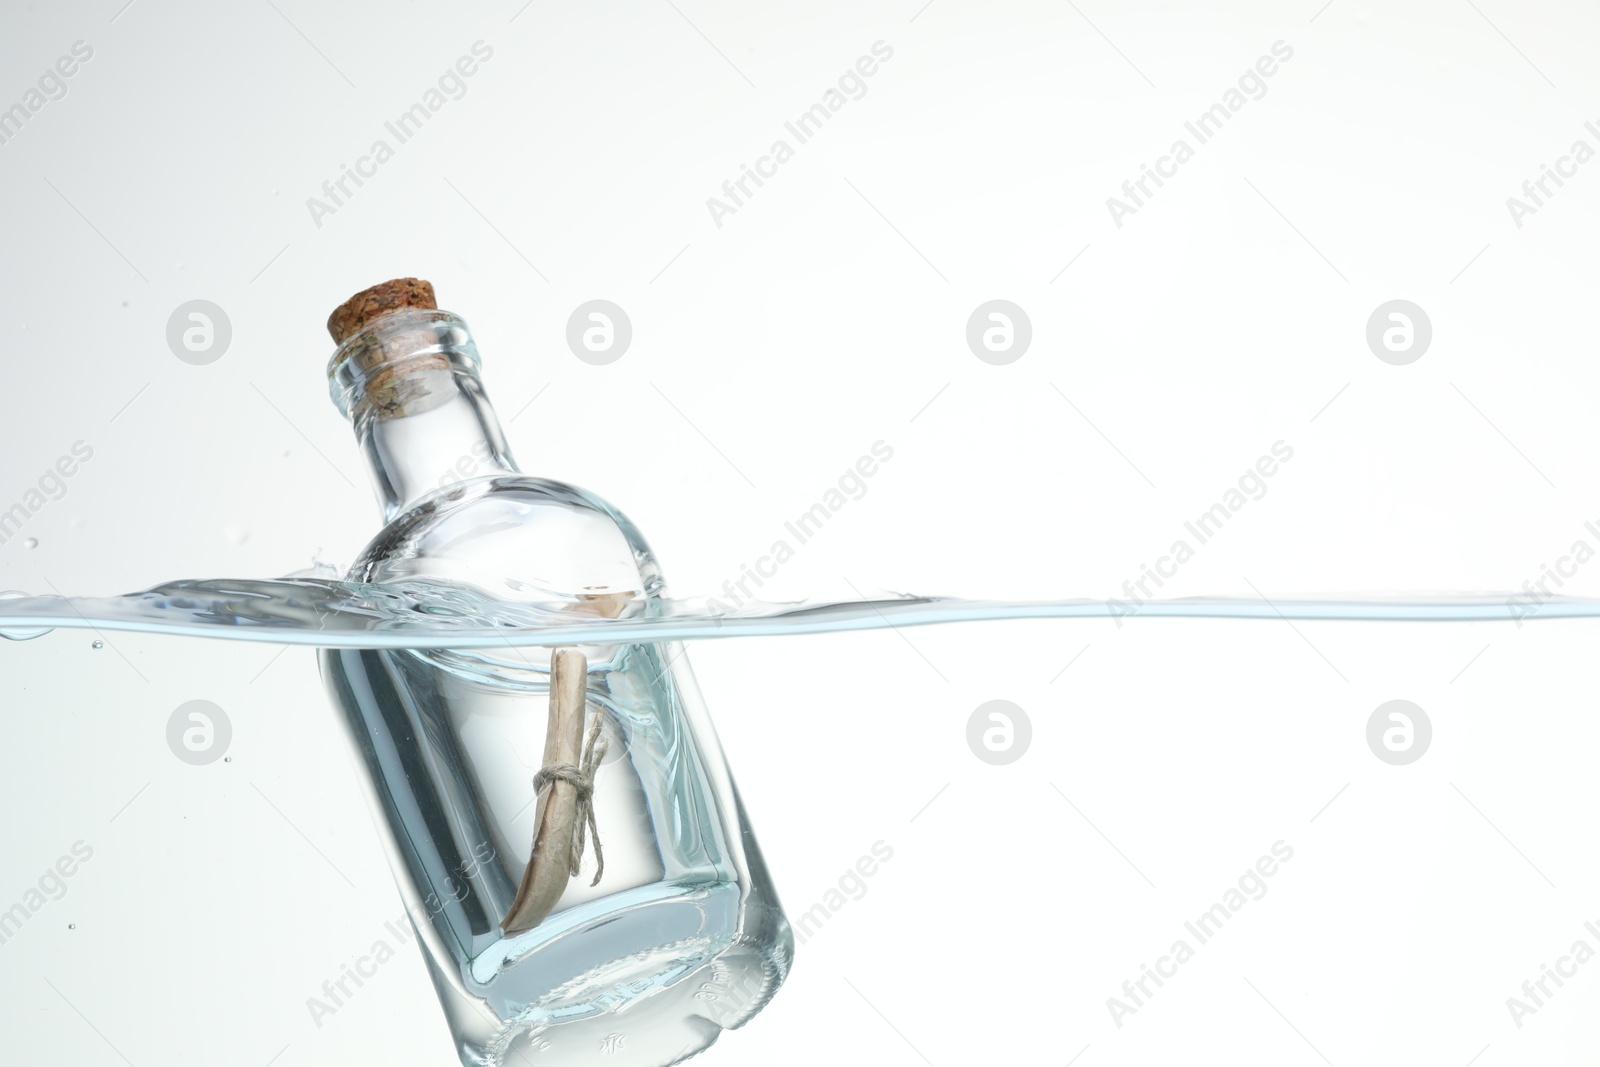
649, 984
671, 1013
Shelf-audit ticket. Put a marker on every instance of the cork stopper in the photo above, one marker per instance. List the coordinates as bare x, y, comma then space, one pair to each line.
355, 314
399, 365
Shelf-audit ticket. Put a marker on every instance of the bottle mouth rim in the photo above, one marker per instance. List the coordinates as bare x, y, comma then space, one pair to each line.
386, 331
404, 340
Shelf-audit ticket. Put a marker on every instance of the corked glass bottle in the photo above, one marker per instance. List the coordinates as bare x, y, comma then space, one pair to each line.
496, 776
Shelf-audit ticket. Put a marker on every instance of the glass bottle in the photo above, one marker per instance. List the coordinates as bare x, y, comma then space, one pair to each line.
683, 936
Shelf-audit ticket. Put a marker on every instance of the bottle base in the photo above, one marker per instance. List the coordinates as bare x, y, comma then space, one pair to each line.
695, 976
652, 1011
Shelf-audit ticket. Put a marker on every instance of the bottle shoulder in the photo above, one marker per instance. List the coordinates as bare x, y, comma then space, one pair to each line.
515, 537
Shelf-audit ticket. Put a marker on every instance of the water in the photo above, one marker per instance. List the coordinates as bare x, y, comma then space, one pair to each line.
423, 615
443, 693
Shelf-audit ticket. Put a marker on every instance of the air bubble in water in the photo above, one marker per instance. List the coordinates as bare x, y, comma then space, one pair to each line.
98, 645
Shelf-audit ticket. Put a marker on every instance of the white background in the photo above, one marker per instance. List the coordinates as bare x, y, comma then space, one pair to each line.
769, 353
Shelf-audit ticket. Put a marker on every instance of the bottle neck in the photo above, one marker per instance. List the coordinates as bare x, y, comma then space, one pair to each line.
409, 384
